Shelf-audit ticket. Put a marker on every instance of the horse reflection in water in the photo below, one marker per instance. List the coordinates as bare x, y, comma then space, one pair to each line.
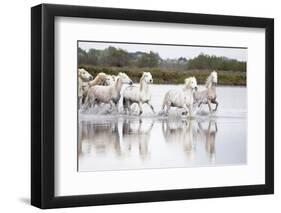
136, 136
105, 138
127, 141
99, 139
209, 137
188, 133
181, 132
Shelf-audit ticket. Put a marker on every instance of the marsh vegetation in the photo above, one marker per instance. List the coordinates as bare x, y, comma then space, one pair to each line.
164, 71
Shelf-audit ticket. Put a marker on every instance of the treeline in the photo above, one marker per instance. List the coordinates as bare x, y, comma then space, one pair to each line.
204, 61
117, 57
170, 76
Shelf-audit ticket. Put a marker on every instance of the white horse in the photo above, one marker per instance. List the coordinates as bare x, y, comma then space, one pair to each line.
139, 95
208, 95
182, 98
107, 94
83, 77
100, 79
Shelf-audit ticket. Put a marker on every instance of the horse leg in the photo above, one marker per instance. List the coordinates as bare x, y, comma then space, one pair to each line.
151, 107
209, 105
125, 105
190, 110
168, 108
83, 99
199, 106
89, 101
185, 110
79, 102
93, 102
86, 103
215, 102
216, 127
129, 107
163, 106
185, 107
115, 106
112, 105
140, 107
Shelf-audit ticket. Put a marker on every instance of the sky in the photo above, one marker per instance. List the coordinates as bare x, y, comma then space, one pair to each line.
168, 51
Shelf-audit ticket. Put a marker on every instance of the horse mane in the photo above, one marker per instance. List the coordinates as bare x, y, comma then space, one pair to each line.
187, 82
81, 69
99, 79
79, 72
208, 80
141, 81
117, 81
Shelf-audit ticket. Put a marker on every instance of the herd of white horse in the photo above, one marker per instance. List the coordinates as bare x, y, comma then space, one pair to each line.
106, 89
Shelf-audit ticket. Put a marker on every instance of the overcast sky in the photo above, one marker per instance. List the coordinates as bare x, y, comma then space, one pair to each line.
171, 51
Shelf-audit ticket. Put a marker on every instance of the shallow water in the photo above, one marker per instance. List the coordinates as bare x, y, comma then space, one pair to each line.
118, 142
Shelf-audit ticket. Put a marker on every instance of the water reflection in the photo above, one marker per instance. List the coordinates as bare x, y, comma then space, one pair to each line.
99, 139
209, 136
117, 142
145, 143
181, 132
136, 134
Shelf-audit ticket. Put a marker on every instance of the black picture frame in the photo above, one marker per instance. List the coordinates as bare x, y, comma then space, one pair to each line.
43, 105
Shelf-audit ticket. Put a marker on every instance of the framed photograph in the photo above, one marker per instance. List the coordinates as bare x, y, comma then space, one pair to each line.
139, 106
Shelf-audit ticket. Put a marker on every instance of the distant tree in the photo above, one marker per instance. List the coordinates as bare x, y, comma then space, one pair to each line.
182, 60
82, 56
115, 57
174, 63
150, 59
93, 55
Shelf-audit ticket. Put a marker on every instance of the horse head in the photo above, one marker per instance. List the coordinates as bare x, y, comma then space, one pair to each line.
125, 78
212, 79
147, 78
214, 75
191, 83
109, 80
84, 75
